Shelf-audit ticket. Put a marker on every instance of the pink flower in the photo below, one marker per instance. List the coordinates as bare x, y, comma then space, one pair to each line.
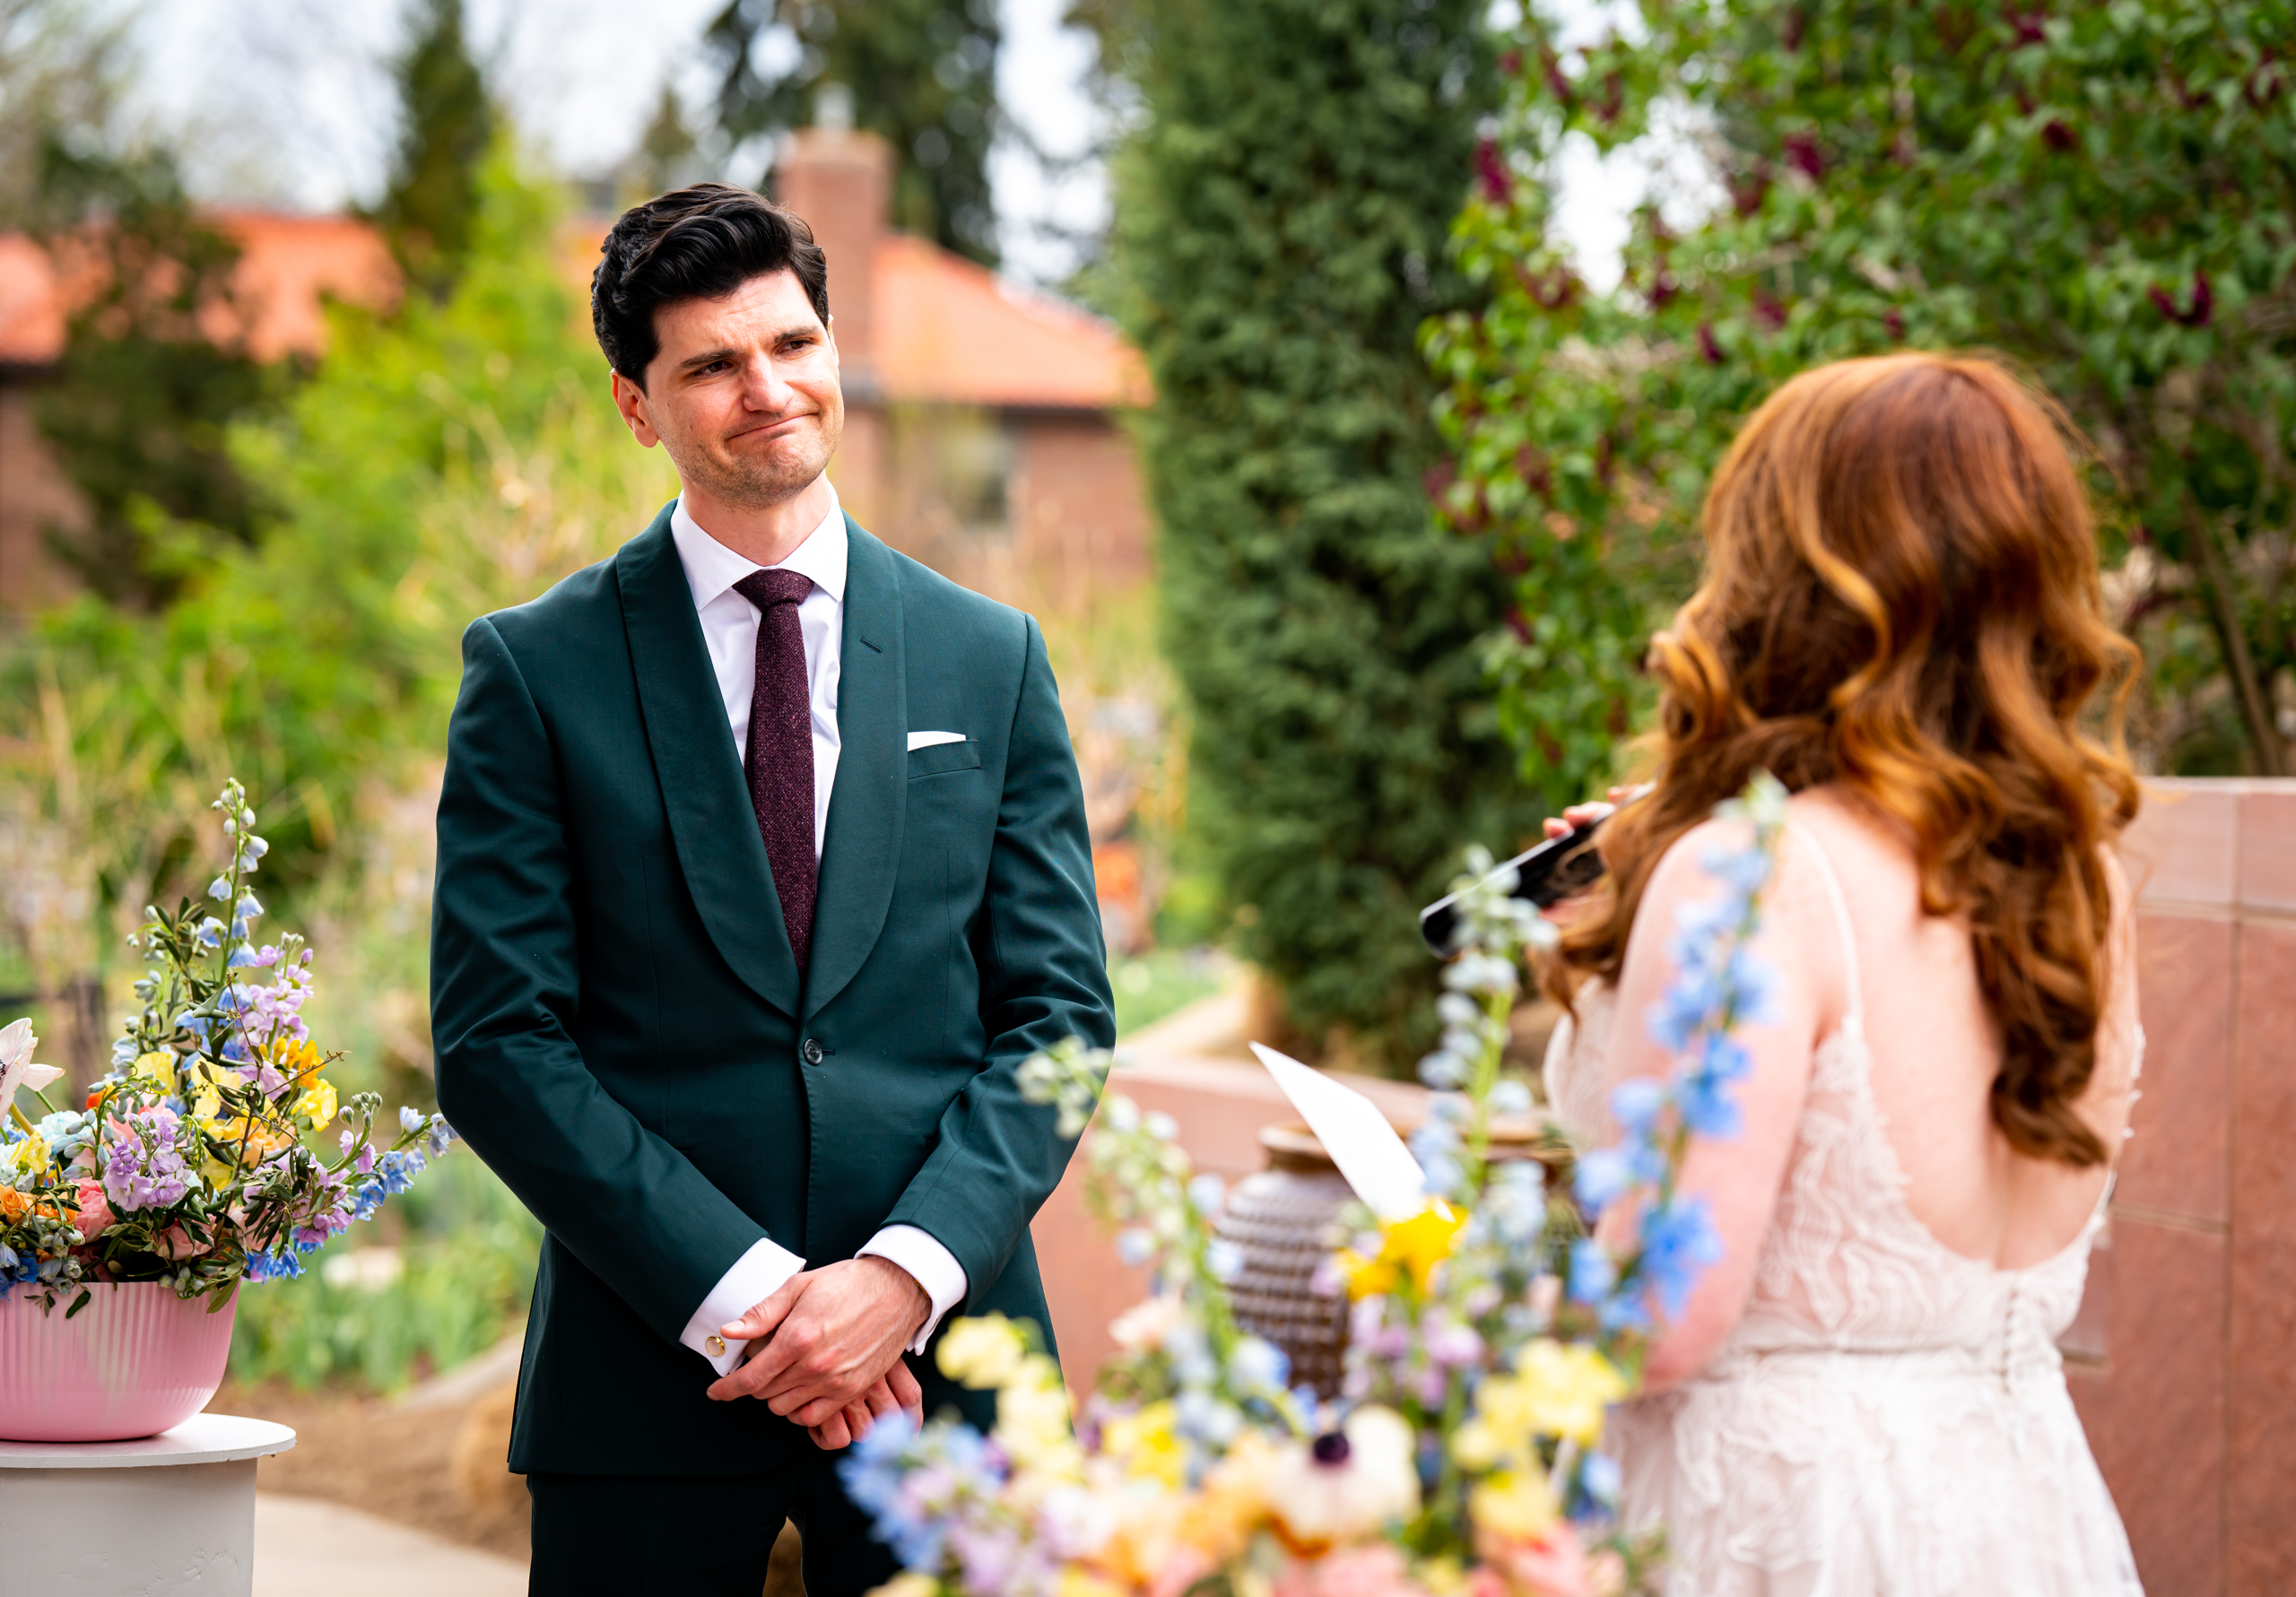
94, 1212
176, 1243
1554, 1565
1374, 1571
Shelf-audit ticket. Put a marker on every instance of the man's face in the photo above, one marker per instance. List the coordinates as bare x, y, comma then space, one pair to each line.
743, 393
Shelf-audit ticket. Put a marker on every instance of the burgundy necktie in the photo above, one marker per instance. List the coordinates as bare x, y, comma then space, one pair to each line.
780, 757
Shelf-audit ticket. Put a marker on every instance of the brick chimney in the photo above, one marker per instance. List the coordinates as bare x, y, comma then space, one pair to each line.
840, 180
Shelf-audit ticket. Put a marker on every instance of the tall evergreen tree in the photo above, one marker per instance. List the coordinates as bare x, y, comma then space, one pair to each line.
447, 122
922, 73
1281, 221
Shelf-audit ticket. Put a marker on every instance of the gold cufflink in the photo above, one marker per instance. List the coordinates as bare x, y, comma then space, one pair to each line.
716, 1344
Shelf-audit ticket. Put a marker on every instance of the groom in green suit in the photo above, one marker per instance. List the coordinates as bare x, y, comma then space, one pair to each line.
762, 866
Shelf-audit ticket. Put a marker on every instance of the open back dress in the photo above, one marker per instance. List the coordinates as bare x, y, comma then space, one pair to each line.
1890, 1418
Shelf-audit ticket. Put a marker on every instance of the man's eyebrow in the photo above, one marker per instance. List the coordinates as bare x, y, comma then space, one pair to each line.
727, 352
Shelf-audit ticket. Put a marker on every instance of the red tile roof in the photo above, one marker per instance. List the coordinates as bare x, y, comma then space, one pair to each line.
947, 332
952, 332
287, 266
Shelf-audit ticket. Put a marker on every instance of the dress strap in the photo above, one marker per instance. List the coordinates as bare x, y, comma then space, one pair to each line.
1855, 1019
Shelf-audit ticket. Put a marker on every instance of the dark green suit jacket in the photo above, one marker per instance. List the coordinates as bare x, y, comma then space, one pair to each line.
620, 1027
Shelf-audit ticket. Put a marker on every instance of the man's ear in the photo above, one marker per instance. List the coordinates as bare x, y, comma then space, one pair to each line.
630, 399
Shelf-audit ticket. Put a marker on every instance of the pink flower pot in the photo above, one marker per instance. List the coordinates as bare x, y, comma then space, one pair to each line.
135, 1361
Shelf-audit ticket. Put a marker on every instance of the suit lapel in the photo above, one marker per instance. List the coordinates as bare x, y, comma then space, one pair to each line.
861, 852
700, 771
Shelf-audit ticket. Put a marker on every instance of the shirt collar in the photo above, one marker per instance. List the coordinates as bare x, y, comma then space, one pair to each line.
711, 569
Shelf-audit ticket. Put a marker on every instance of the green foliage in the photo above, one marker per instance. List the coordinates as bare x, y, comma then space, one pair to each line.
429, 212
2103, 192
1279, 234
922, 73
459, 1277
455, 457
152, 376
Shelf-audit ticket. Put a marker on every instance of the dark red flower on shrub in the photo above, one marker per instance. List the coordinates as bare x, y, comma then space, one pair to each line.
1552, 289
1557, 84
1707, 347
2030, 26
1894, 320
1510, 63
1789, 33
1747, 190
2203, 302
1518, 623
1664, 287
1491, 171
1531, 466
1606, 109
2057, 136
1801, 150
1768, 310
1437, 480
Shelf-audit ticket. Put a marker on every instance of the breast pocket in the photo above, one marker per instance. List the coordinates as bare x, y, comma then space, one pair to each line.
941, 759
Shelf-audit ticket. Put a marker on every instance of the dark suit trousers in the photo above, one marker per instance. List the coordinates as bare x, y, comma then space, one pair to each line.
709, 1536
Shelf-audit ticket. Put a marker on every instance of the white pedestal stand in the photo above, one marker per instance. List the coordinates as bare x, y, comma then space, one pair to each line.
168, 1514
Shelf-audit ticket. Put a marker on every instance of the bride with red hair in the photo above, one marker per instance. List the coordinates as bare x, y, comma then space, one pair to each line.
1901, 620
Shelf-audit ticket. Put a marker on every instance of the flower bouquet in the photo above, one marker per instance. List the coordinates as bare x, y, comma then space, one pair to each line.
1489, 1332
185, 1171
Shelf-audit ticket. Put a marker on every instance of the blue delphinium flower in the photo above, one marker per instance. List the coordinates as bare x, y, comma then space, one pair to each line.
1679, 1241
1719, 985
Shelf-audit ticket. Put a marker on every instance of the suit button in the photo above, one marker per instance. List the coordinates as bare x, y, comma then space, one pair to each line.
812, 1051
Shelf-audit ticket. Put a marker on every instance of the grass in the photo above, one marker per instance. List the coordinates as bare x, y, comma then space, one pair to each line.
1163, 980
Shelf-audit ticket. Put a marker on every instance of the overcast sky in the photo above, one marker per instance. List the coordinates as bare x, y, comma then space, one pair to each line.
290, 102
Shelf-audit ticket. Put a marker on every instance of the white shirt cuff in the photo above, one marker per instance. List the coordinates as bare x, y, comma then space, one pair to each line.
929, 1264
755, 1276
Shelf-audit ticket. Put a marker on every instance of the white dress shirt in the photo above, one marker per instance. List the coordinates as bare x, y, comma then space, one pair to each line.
729, 625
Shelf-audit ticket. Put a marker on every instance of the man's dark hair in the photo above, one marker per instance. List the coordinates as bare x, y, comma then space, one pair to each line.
697, 243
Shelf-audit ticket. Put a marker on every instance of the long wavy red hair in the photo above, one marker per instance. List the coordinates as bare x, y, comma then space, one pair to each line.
1902, 598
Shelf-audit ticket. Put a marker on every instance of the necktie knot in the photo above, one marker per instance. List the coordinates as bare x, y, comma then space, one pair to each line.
774, 586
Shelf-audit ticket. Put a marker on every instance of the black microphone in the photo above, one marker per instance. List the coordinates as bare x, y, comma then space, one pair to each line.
1545, 875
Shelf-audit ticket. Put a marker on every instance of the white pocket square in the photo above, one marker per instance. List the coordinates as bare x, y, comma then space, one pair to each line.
928, 740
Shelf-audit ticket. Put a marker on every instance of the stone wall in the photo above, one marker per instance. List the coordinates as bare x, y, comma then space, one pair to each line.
2179, 1362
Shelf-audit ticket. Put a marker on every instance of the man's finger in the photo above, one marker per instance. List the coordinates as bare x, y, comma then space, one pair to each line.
879, 1401
832, 1434
906, 1392
763, 1317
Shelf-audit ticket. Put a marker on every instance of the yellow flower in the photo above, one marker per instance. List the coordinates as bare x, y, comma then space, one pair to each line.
1145, 1445
1233, 1501
1516, 1505
1410, 1248
26, 1157
319, 1103
1553, 1391
157, 1067
982, 1351
1074, 1582
293, 1059
1032, 1417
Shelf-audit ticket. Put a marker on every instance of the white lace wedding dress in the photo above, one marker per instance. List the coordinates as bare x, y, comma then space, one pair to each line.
1890, 1418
